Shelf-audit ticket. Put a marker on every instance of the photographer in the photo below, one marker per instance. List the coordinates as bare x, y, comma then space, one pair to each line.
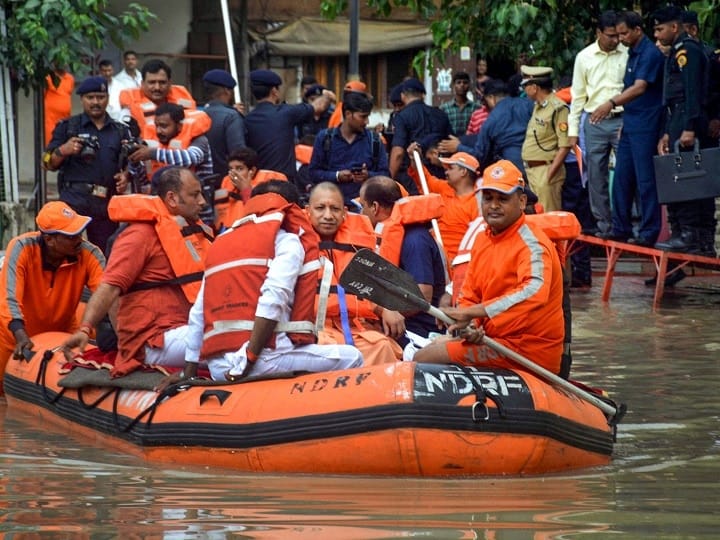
87, 150
350, 154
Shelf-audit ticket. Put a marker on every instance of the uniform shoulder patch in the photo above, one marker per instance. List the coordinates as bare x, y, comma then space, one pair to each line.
563, 126
681, 59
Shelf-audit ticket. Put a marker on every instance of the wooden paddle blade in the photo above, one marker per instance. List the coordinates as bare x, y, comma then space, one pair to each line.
371, 277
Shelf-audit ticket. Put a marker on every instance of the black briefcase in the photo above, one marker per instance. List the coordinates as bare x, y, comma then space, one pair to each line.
687, 176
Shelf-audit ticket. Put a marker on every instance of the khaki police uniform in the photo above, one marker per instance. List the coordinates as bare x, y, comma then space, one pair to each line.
546, 133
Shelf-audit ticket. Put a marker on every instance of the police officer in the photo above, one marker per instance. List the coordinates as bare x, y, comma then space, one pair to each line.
692, 223
415, 121
227, 132
87, 151
546, 139
271, 124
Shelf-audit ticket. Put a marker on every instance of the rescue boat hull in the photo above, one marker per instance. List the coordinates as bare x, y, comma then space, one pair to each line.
402, 419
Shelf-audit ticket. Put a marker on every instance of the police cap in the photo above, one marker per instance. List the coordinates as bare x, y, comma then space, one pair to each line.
667, 14
265, 77
314, 90
690, 17
413, 85
92, 84
220, 77
534, 74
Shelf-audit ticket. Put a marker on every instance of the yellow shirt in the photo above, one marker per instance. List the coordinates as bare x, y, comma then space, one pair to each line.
597, 77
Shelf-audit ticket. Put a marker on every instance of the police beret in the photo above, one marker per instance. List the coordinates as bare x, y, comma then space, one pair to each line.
534, 73
265, 77
395, 94
690, 17
666, 15
413, 84
220, 77
92, 84
314, 90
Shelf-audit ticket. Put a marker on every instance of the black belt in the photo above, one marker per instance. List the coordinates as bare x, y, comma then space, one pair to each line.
530, 164
95, 190
617, 114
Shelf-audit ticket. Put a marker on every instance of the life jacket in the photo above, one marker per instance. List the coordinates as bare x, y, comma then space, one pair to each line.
194, 124
559, 226
142, 108
237, 266
303, 153
185, 244
406, 211
355, 233
228, 201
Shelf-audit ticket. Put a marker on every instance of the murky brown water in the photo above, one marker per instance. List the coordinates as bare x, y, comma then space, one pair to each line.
663, 483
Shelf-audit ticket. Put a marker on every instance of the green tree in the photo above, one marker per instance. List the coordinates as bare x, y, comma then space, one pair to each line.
41, 35
551, 31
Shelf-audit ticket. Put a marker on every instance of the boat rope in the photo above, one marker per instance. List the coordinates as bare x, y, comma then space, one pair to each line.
40, 379
479, 410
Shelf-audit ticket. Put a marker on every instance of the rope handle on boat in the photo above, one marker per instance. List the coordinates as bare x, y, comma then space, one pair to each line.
42, 370
482, 395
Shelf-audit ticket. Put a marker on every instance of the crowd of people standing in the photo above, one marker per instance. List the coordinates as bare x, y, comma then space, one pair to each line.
201, 191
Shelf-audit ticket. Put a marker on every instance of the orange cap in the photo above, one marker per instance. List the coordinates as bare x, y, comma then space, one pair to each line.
56, 217
502, 176
463, 159
356, 86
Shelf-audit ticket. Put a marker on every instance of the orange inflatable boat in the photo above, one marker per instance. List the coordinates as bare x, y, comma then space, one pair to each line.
402, 419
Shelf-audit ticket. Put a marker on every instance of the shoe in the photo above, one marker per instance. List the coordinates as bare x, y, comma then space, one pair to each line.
642, 242
670, 280
687, 241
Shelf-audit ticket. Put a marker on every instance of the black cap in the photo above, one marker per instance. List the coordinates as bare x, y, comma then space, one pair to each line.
667, 14
265, 77
395, 94
220, 77
690, 17
92, 84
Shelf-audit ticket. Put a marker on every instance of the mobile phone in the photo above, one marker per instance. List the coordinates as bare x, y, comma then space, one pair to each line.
355, 169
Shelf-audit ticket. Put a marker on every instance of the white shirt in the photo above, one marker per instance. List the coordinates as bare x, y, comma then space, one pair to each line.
120, 82
125, 80
597, 77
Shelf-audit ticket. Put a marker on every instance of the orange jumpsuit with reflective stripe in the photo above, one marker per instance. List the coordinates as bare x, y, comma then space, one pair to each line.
516, 275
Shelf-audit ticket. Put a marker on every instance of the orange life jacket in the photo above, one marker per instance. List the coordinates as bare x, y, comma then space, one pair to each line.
406, 211
194, 124
142, 108
228, 201
237, 265
355, 233
559, 226
303, 153
185, 244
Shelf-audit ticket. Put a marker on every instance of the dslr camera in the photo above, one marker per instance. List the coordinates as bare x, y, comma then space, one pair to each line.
90, 146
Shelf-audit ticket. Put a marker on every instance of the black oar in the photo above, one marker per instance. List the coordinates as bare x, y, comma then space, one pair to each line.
371, 277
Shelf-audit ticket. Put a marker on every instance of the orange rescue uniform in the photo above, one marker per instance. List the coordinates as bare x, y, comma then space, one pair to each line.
38, 297
230, 201
459, 211
356, 232
58, 102
517, 277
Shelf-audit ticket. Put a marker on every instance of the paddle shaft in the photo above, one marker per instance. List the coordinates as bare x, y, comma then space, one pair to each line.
532, 366
426, 191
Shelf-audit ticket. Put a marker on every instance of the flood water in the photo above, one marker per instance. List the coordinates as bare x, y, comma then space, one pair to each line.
664, 481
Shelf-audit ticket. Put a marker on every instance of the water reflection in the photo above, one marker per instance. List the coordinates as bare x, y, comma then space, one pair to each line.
661, 484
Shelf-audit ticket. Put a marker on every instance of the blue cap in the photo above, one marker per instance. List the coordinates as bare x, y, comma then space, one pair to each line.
413, 84
220, 77
265, 77
92, 84
395, 94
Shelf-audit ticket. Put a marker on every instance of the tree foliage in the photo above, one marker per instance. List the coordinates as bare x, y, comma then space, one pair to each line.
42, 35
550, 31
